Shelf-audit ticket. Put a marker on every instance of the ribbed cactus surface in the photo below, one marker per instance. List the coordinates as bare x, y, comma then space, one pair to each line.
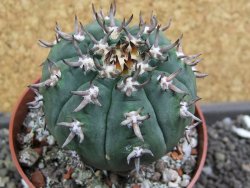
116, 93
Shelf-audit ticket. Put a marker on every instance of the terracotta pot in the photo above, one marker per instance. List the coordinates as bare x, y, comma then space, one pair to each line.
21, 109
202, 146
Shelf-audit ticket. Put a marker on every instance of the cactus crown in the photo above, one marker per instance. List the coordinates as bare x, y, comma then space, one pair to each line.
105, 76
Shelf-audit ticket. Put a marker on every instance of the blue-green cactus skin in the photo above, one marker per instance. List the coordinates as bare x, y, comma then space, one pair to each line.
106, 143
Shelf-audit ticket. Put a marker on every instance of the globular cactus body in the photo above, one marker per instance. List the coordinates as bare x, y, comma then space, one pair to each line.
126, 101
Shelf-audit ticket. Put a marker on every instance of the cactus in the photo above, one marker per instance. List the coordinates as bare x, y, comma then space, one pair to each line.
116, 93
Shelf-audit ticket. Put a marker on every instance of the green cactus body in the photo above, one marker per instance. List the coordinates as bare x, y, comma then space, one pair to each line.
107, 144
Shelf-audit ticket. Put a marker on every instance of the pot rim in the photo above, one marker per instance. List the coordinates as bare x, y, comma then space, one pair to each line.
12, 141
